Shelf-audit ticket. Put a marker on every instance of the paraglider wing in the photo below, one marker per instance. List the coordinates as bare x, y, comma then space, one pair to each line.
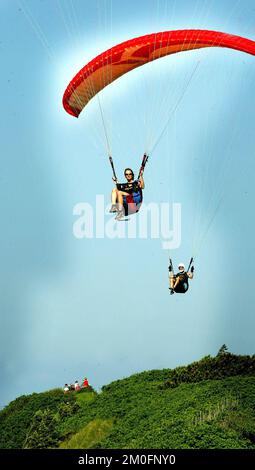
120, 59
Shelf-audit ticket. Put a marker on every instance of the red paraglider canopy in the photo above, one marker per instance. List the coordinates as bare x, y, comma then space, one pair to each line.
128, 55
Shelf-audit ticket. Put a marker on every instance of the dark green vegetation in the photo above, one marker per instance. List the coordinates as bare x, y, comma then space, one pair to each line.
208, 404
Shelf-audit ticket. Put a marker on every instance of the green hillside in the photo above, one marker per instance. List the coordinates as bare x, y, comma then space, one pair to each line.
208, 404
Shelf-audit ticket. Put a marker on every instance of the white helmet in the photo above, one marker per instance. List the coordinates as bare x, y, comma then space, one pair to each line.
181, 265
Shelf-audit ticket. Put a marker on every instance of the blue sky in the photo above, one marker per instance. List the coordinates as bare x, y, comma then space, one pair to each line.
98, 307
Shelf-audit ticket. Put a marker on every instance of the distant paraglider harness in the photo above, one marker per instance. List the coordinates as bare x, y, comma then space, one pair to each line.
183, 284
133, 201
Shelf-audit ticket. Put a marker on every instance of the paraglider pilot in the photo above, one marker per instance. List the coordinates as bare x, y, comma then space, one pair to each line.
179, 282
127, 197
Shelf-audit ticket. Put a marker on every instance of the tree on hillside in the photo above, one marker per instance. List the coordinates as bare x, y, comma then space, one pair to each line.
223, 350
42, 433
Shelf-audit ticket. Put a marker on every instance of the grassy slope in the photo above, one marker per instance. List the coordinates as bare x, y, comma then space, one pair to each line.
208, 404
210, 414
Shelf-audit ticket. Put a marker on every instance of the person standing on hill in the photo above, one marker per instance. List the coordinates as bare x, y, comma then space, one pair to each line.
77, 386
85, 382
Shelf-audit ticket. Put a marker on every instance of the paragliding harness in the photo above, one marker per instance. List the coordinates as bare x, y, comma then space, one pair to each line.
133, 201
183, 283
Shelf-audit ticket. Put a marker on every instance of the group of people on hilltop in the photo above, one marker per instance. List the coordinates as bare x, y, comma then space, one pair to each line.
76, 386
